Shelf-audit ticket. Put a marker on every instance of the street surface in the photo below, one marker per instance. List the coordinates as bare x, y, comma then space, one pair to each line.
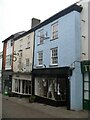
20, 108
16, 110
0, 106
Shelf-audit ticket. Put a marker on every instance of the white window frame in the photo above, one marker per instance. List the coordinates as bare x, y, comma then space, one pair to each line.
8, 61
54, 34
21, 45
54, 56
27, 62
40, 58
28, 41
41, 36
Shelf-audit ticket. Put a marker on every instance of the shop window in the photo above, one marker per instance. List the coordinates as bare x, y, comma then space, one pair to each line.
17, 85
26, 87
51, 88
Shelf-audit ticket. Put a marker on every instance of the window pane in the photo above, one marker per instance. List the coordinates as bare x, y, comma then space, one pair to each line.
54, 30
86, 77
40, 58
54, 56
41, 37
86, 85
86, 95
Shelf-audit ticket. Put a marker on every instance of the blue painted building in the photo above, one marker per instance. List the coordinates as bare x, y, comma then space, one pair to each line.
57, 77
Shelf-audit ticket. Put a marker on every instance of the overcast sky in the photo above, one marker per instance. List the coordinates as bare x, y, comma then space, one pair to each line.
16, 15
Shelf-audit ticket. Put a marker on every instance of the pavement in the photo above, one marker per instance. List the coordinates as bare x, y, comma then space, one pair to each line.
58, 112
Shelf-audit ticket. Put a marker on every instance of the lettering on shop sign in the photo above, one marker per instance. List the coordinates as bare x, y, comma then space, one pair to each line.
86, 68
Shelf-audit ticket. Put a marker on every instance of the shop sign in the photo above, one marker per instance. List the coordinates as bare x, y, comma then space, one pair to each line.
85, 66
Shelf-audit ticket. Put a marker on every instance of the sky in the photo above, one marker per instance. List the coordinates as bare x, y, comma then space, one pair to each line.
16, 15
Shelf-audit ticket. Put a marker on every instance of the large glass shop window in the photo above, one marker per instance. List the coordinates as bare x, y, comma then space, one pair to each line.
51, 88
86, 86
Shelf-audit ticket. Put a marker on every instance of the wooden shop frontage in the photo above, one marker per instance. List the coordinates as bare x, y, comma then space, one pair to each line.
85, 69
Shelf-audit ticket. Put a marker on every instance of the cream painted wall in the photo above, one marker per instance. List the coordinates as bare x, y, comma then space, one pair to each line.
26, 53
85, 38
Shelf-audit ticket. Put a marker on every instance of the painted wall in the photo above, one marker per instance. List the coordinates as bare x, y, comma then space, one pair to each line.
89, 30
85, 29
27, 52
67, 41
69, 47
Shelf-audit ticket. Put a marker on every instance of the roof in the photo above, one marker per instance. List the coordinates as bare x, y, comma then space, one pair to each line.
13, 36
67, 10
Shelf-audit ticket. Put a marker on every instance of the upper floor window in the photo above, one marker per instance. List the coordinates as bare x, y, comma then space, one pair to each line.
54, 55
40, 57
21, 44
27, 62
41, 36
28, 41
54, 31
11, 42
8, 60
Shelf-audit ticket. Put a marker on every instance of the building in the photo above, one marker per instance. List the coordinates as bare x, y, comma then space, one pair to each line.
85, 51
7, 63
0, 71
23, 61
22, 64
57, 74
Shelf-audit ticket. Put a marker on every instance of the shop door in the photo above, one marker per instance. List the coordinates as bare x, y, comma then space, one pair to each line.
86, 91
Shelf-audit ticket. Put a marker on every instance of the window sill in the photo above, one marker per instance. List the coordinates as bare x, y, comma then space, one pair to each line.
19, 50
53, 39
27, 47
40, 44
39, 66
55, 65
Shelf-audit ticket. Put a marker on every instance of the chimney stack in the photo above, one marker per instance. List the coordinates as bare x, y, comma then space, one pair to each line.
35, 22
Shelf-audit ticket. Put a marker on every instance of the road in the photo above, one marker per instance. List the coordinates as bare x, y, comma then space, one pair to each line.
16, 110
0, 106
14, 107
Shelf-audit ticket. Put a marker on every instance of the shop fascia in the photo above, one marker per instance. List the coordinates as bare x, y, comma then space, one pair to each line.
85, 66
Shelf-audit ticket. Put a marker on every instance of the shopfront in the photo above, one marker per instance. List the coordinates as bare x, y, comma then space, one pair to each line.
51, 86
85, 68
21, 84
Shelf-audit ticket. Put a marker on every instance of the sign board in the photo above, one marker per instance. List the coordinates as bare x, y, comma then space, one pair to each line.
85, 66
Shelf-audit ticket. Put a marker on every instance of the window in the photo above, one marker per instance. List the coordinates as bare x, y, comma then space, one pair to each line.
21, 44
8, 60
11, 42
41, 36
54, 56
27, 62
17, 85
55, 30
28, 41
51, 88
40, 57
26, 87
